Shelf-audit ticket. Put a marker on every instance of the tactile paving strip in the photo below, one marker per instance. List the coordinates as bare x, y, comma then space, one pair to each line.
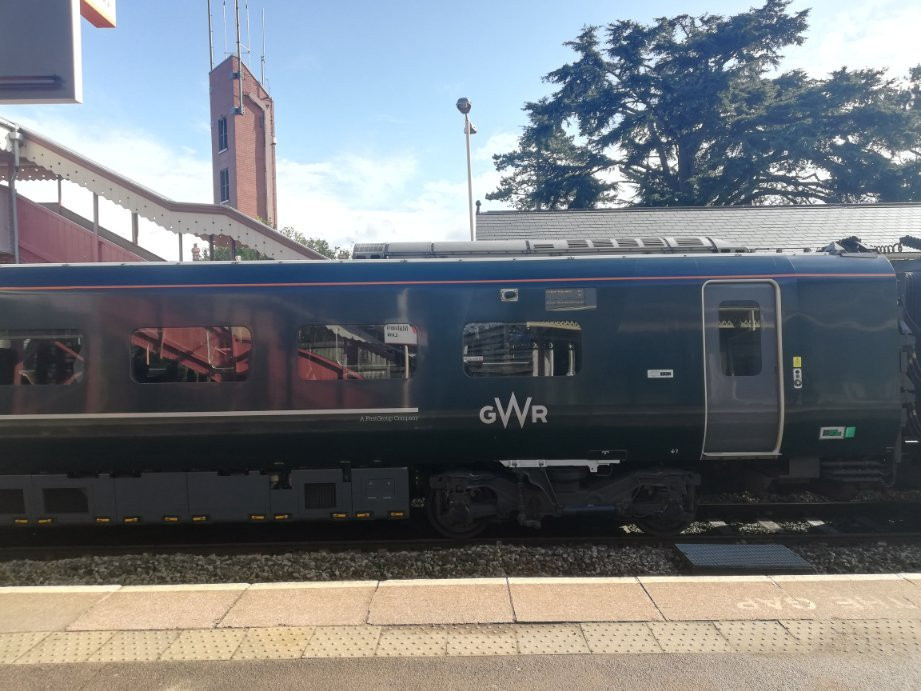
888, 635
482, 640
618, 638
66, 646
412, 641
205, 644
551, 639
689, 637
13, 645
758, 637
135, 646
831, 635
343, 641
274, 643
859, 635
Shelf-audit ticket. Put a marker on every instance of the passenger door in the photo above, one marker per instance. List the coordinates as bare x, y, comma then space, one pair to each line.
744, 407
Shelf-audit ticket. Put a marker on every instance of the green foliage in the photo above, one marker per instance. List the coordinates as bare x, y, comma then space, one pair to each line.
316, 244
684, 112
222, 254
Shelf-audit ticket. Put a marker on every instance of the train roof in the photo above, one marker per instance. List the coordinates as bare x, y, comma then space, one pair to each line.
441, 271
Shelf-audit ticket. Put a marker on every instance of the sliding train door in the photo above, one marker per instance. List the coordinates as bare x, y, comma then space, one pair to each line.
744, 405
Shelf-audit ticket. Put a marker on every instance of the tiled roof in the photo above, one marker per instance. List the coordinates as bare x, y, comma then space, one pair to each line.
765, 227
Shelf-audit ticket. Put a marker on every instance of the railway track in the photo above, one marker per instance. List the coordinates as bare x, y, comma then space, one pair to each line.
783, 523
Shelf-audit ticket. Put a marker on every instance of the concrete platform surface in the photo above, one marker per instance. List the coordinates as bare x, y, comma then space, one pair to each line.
656, 672
704, 615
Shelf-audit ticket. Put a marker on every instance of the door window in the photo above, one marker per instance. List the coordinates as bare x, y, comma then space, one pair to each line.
740, 331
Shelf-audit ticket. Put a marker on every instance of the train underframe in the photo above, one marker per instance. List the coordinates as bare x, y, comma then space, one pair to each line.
459, 502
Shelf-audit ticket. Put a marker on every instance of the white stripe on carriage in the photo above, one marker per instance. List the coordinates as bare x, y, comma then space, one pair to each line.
212, 414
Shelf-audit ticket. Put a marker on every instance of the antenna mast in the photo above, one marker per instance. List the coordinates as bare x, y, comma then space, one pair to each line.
262, 60
249, 35
210, 40
224, 13
236, 4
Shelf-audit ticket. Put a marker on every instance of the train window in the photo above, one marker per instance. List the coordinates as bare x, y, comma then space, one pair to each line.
38, 357
740, 338
194, 354
356, 352
524, 349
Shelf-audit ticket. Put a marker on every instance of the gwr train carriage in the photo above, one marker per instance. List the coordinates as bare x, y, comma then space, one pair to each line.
481, 387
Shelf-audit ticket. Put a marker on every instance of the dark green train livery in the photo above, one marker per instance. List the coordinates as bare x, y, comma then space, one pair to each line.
482, 388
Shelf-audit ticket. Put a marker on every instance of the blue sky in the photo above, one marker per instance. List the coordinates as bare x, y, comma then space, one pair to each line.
370, 145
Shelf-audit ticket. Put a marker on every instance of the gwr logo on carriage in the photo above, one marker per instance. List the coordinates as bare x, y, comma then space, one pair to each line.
492, 413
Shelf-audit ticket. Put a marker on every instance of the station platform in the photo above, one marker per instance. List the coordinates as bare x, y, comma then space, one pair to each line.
447, 618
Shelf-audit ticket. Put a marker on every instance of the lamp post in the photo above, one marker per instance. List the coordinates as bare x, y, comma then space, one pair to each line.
464, 105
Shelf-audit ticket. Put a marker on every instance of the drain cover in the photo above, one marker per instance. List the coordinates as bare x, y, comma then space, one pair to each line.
762, 559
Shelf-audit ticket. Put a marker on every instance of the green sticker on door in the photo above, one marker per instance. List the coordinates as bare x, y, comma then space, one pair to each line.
837, 432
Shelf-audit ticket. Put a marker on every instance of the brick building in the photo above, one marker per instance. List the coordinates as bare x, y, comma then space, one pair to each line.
243, 142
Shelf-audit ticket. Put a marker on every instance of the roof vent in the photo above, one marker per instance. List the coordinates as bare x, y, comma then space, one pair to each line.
368, 250
607, 244
652, 242
577, 244
689, 242
627, 242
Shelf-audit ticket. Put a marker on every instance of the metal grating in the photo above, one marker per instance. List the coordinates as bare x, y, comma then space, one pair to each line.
758, 559
343, 641
276, 643
135, 646
205, 644
412, 641
482, 640
619, 638
66, 646
542, 639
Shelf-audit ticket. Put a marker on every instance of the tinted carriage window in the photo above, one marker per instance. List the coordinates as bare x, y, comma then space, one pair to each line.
740, 338
356, 351
527, 349
197, 354
39, 357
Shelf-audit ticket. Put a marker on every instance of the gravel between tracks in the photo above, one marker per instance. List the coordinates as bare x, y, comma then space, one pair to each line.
459, 562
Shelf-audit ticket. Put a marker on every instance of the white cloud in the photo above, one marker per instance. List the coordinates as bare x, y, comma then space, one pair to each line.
871, 33
499, 143
354, 198
347, 199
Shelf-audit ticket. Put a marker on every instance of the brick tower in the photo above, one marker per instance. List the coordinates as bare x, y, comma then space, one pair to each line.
243, 142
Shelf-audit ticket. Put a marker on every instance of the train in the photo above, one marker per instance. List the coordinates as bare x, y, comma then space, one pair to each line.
473, 383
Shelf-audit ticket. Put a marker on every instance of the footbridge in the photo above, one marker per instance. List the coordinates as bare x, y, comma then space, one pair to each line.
31, 232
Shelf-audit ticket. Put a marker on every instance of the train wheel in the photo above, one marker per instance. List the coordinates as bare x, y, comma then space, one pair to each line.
453, 514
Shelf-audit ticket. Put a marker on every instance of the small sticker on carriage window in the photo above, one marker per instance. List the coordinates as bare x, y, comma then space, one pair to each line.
660, 374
